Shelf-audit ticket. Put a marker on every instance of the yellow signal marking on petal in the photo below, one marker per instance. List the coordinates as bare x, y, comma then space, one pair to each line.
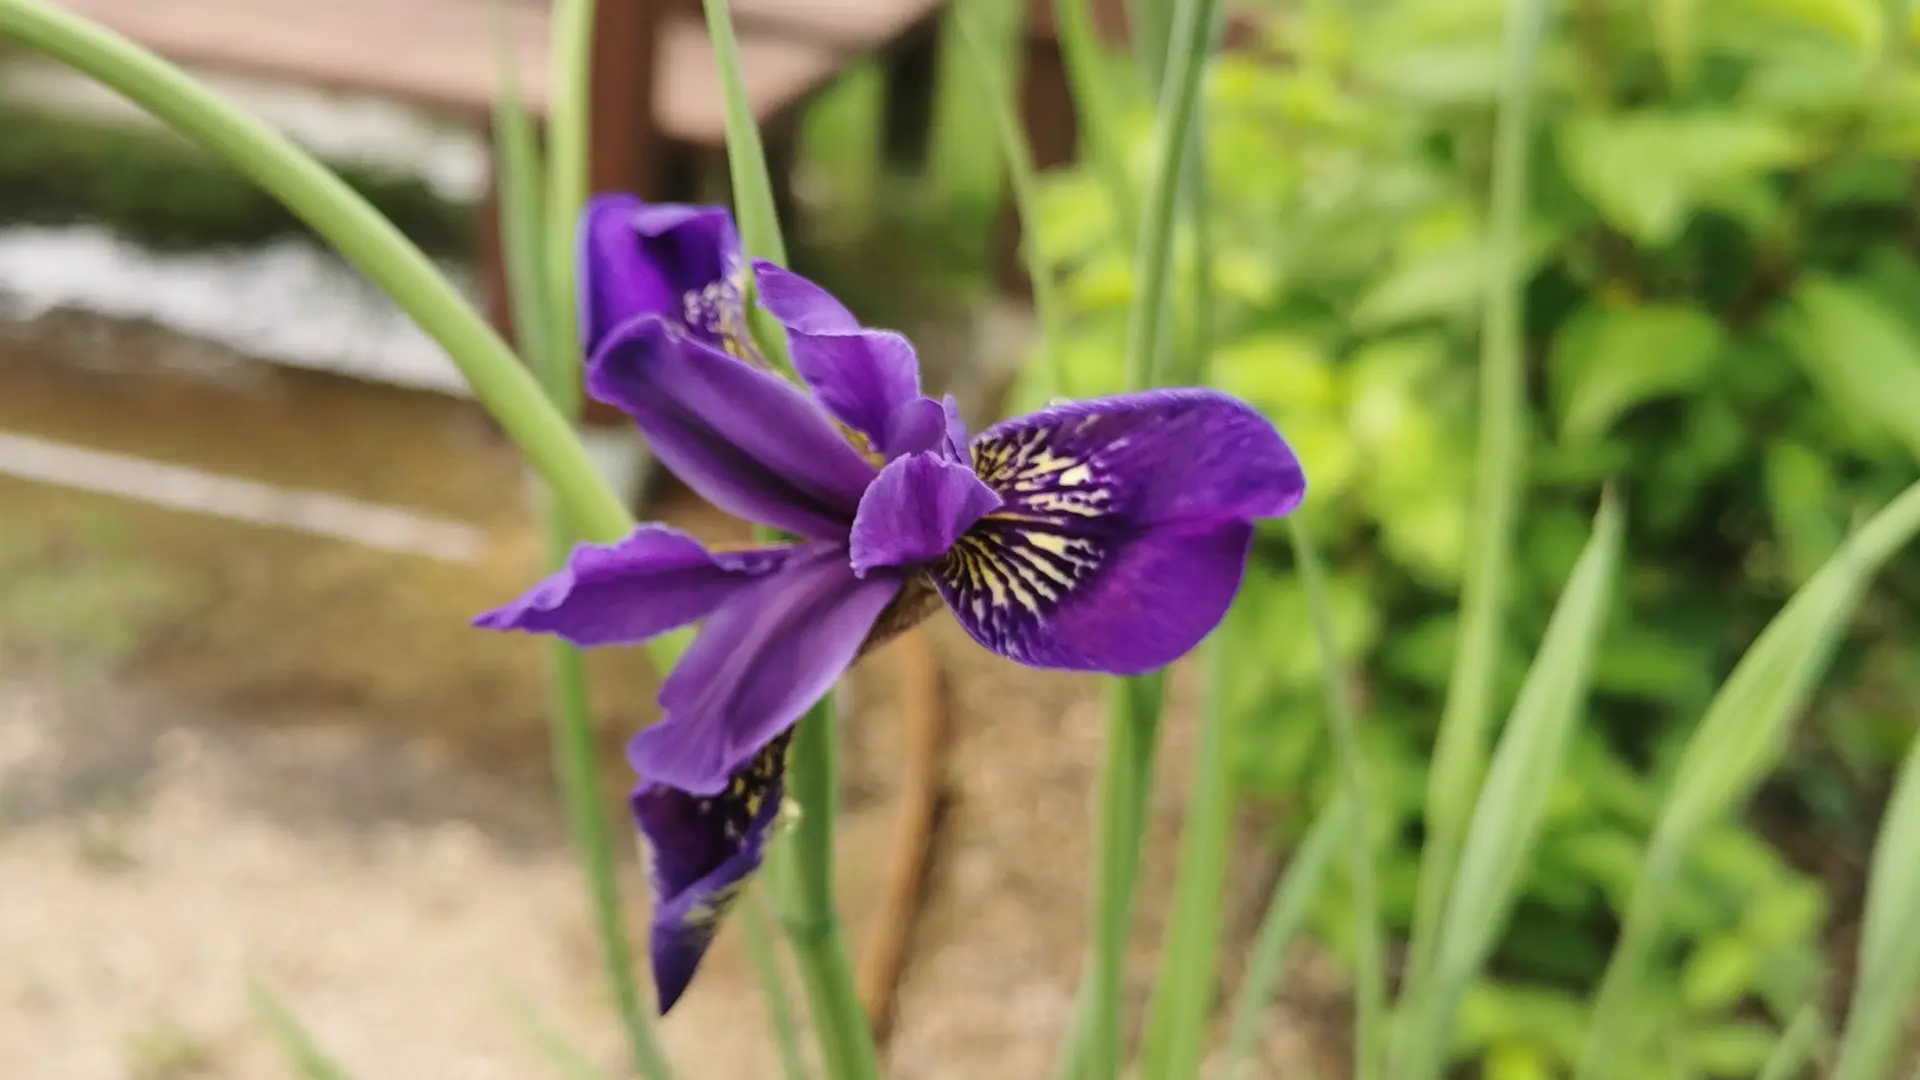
1047, 542
1076, 476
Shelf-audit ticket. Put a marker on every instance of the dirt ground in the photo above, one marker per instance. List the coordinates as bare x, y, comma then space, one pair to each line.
232, 754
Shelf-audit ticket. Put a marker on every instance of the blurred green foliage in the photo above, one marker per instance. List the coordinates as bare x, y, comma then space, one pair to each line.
1723, 322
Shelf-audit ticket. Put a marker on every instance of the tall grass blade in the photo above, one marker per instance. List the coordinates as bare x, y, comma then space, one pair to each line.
1024, 185
1738, 741
530, 274
1183, 998
1173, 128
805, 882
1889, 967
1799, 1045
807, 913
1461, 750
1513, 803
1369, 948
1286, 912
753, 203
518, 174
567, 1059
1099, 104
568, 133
302, 1050
757, 922
1133, 714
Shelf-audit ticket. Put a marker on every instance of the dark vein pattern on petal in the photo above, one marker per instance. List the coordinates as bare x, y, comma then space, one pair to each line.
1124, 529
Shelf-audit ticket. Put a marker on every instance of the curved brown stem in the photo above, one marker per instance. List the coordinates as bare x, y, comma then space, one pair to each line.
909, 855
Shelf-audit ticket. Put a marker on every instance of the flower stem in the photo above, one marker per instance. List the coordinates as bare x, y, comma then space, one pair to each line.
757, 922
1183, 998
1133, 732
1286, 912
1153, 256
1133, 712
1368, 950
352, 227
807, 912
555, 358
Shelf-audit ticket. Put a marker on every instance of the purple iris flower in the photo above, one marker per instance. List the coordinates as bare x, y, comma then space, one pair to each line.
1103, 536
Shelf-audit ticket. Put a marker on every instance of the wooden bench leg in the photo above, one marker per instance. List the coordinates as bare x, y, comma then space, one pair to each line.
909, 70
490, 259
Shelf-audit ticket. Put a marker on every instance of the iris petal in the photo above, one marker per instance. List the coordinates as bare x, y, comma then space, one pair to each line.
617, 594
915, 511
749, 442
764, 656
1125, 528
862, 376
682, 263
704, 849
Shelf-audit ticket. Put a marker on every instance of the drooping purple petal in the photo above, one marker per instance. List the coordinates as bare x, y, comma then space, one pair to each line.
1125, 528
679, 262
862, 376
617, 594
764, 656
703, 850
748, 441
915, 511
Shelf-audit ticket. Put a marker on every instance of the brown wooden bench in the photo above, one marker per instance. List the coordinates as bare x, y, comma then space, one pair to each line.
655, 91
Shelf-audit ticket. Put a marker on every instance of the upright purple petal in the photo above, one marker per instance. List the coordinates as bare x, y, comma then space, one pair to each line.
749, 442
681, 263
1125, 529
617, 594
703, 851
862, 376
764, 656
924, 424
913, 514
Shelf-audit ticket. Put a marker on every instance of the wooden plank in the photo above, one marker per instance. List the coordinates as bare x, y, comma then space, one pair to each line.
443, 54
853, 25
1110, 23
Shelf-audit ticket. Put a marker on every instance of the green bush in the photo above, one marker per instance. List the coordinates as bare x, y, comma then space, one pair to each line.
1723, 322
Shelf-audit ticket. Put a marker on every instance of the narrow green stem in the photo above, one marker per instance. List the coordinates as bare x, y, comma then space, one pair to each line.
568, 127
1286, 912
805, 887
1368, 952
757, 921
577, 761
350, 226
1133, 732
1460, 754
1183, 999
807, 911
573, 737
1153, 256
1134, 705
1153, 28
753, 204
